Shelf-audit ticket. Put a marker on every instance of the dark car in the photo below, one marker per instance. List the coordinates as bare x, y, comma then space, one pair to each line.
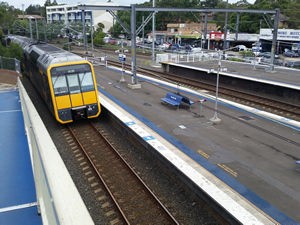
293, 64
290, 53
267, 55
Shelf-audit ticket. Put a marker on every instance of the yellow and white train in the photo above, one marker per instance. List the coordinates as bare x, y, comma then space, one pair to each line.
65, 81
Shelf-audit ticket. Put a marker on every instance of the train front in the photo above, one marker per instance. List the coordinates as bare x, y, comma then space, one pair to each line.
74, 91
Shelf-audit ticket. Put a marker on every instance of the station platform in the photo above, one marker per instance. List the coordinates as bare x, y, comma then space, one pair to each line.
18, 203
281, 75
281, 84
253, 155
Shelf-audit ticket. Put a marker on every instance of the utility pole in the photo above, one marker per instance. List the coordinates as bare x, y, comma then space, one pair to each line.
134, 84
153, 34
30, 27
275, 31
83, 31
225, 31
92, 35
23, 10
45, 29
37, 30
237, 26
205, 29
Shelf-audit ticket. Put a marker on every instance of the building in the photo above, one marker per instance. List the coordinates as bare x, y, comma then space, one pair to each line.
286, 38
70, 13
182, 33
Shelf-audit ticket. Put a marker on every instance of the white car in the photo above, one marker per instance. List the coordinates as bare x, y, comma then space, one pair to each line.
163, 46
240, 48
196, 50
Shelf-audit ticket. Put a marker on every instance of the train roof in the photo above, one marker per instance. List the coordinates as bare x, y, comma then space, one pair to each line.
45, 54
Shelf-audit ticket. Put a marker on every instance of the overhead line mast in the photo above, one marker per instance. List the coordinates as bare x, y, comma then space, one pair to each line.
154, 10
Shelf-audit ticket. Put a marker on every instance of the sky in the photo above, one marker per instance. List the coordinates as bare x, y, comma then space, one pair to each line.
19, 3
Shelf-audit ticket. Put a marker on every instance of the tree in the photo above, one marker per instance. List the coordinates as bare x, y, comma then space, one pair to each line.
292, 13
34, 10
8, 15
99, 34
47, 3
210, 3
100, 27
11, 51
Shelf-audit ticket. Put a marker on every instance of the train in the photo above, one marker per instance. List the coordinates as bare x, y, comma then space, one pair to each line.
65, 81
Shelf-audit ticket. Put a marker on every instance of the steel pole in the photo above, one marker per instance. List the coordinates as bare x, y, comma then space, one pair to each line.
133, 45
225, 31
153, 34
274, 40
30, 29
37, 30
83, 31
215, 119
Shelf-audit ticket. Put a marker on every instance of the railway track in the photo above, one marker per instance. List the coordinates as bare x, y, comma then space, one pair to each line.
249, 99
124, 196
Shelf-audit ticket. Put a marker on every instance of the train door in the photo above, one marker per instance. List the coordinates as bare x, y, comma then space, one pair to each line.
88, 88
74, 89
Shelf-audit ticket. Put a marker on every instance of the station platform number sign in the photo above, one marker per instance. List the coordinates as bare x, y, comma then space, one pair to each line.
122, 57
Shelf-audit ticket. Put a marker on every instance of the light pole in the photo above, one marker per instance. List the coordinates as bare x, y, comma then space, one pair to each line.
215, 119
122, 59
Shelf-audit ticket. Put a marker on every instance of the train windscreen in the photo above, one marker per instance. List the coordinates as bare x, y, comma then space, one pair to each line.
72, 79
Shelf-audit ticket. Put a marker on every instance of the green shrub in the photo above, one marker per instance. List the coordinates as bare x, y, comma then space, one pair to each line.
247, 54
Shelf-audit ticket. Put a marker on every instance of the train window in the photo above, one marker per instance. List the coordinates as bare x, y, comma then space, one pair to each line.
86, 81
59, 85
73, 83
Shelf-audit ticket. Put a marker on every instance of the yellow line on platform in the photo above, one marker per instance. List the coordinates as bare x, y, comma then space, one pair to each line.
205, 155
228, 169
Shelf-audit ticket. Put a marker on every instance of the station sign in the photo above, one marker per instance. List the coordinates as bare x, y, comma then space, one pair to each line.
215, 35
122, 57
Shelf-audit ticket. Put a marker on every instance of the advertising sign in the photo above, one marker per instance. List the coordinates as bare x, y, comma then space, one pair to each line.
282, 34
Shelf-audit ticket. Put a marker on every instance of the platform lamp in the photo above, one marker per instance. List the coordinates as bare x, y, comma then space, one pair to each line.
215, 119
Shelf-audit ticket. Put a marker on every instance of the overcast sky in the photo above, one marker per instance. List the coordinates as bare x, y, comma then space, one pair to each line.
18, 3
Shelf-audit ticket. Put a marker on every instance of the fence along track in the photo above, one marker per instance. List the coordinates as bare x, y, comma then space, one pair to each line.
133, 199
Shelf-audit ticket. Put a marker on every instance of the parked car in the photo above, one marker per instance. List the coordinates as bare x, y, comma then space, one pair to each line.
175, 47
293, 64
240, 48
196, 50
267, 55
289, 53
277, 62
164, 46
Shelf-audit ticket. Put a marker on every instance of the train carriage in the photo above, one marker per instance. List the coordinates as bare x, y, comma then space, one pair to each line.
65, 81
